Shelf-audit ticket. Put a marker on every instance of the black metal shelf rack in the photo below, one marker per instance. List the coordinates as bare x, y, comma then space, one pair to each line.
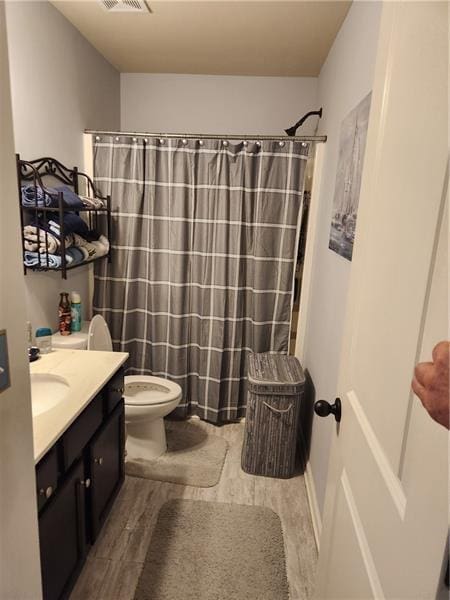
99, 219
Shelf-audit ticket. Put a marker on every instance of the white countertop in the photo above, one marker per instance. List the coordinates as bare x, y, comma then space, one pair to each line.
86, 372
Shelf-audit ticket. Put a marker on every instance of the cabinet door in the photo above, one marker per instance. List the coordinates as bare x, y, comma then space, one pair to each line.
62, 536
106, 460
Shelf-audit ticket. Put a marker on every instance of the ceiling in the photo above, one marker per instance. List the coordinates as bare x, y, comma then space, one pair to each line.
212, 37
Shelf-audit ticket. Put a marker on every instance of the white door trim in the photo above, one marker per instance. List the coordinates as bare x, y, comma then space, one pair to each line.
311, 237
313, 504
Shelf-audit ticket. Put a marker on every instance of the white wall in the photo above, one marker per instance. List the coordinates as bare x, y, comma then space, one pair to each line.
19, 550
60, 85
216, 104
345, 79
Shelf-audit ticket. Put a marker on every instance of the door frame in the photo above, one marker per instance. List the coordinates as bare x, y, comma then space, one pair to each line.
304, 308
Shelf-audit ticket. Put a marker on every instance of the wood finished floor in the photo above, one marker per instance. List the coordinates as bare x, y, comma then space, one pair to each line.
115, 561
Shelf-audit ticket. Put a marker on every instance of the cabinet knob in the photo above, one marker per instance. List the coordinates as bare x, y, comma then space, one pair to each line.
47, 492
85, 482
119, 390
99, 460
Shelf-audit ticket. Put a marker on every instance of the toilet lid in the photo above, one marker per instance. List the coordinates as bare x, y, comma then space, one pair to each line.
99, 337
145, 390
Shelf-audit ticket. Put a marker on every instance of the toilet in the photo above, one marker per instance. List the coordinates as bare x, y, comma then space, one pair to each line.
148, 399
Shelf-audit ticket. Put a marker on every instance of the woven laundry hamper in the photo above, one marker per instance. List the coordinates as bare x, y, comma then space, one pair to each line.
276, 385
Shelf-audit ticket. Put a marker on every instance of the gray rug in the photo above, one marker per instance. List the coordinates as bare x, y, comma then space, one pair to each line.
194, 457
212, 551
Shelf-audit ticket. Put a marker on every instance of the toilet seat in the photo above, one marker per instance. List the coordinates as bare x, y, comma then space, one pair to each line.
146, 390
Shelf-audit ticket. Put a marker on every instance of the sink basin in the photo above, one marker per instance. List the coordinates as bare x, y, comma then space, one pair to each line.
47, 391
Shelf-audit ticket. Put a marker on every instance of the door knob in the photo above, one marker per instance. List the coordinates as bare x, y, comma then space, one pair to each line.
99, 461
324, 408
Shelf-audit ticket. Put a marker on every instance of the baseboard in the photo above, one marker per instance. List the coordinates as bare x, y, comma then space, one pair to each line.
197, 418
313, 505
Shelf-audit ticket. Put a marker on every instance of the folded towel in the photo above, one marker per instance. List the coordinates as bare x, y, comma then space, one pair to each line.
34, 259
70, 199
36, 196
72, 224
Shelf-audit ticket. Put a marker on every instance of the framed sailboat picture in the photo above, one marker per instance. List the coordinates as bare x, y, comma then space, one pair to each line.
352, 144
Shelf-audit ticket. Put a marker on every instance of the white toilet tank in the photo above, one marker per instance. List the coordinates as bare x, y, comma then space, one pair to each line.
74, 341
94, 335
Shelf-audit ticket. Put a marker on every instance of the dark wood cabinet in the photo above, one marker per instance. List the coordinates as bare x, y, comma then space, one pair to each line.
62, 536
84, 470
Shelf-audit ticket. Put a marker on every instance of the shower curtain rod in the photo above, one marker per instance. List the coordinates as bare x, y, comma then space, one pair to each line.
204, 136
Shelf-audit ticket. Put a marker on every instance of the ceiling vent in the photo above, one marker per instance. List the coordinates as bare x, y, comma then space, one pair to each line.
130, 6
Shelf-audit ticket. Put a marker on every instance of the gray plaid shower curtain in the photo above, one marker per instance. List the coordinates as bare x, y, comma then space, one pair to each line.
204, 243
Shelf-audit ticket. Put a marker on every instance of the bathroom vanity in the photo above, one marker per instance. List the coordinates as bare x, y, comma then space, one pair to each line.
79, 443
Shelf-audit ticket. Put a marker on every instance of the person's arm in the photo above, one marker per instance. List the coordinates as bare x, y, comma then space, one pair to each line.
431, 384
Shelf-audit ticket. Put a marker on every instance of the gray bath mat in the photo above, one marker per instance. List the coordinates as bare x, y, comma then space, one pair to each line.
214, 551
194, 457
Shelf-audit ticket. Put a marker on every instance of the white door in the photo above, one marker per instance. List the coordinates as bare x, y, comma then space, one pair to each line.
20, 573
386, 511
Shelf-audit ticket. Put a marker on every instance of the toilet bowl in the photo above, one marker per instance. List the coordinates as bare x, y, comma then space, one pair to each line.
147, 399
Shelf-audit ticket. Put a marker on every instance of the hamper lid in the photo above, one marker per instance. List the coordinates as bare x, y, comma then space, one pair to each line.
272, 373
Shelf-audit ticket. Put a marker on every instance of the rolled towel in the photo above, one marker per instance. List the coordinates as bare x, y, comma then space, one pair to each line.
92, 250
75, 255
102, 245
38, 240
92, 202
36, 196
48, 242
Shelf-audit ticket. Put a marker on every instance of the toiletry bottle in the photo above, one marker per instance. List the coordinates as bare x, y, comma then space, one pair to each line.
64, 314
75, 303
